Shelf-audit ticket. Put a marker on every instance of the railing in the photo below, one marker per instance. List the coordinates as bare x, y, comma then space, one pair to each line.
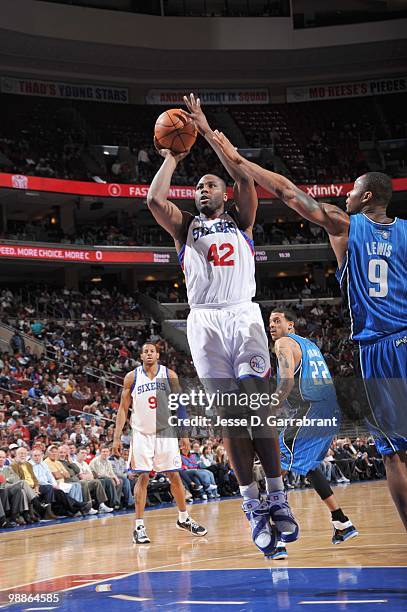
7, 331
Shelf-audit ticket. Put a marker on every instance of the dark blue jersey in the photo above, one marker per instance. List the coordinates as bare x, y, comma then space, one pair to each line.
373, 278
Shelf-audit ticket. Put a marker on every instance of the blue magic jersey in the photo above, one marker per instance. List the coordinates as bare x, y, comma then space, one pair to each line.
313, 381
313, 396
373, 278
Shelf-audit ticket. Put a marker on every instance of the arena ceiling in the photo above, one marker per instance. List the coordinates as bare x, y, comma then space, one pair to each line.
21, 53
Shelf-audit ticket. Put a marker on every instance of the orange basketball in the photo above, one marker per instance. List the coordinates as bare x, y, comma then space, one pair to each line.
174, 130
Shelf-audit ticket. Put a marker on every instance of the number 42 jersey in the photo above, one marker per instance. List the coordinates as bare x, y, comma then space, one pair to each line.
218, 263
373, 278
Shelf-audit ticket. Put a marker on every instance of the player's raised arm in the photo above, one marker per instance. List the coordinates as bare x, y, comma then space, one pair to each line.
286, 366
122, 413
244, 191
169, 216
334, 220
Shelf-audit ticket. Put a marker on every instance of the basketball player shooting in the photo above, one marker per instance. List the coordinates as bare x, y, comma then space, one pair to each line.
305, 389
371, 251
145, 391
225, 328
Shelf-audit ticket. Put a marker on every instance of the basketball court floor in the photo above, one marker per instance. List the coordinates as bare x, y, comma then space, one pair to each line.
91, 564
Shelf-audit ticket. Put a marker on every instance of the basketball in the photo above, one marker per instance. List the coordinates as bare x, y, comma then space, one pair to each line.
174, 130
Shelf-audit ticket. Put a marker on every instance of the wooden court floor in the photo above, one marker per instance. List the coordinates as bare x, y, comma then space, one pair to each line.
72, 554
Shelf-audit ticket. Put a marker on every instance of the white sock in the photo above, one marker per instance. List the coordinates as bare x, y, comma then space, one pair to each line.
250, 491
182, 515
274, 484
139, 523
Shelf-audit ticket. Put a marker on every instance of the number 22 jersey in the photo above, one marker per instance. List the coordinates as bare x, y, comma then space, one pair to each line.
373, 278
218, 263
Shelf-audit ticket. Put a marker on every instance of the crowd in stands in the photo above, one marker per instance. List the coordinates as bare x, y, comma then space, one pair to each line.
129, 232
40, 300
273, 288
309, 142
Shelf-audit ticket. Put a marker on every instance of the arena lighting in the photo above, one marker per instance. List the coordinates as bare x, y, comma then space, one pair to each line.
96, 279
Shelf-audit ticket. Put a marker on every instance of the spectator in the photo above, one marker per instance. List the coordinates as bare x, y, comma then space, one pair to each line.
13, 497
102, 468
62, 475
120, 469
17, 343
62, 503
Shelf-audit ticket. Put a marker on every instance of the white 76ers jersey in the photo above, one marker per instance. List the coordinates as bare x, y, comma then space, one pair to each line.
218, 262
150, 412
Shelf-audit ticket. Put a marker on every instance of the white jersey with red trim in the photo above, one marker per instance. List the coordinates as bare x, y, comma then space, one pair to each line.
150, 413
218, 263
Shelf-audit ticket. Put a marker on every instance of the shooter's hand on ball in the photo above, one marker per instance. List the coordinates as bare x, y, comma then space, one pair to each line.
168, 153
196, 113
228, 149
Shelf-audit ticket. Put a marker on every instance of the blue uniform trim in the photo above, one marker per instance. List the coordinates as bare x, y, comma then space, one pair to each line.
134, 382
181, 256
249, 241
250, 376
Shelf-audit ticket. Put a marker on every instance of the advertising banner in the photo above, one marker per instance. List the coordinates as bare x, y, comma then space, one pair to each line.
244, 95
351, 89
121, 255
68, 254
61, 89
124, 190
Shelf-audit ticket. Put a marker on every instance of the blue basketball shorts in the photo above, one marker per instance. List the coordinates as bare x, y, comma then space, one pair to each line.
303, 446
383, 367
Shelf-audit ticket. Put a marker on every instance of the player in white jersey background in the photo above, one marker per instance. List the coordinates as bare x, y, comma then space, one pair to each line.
225, 328
154, 444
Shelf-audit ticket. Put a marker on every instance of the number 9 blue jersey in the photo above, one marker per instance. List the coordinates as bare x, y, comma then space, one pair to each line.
373, 278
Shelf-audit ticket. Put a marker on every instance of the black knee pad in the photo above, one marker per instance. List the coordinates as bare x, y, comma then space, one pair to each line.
320, 483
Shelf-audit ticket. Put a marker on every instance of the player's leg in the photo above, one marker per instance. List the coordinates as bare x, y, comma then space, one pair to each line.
396, 472
240, 449
140, 496
184, 520
167, 459
141, 460
342, 525
252, 367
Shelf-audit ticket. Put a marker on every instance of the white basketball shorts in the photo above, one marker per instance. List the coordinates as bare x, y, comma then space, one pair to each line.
151, 452
229, 343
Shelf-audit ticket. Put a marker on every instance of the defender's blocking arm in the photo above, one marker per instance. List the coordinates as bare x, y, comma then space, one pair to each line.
166, 213
334, 220
122, 413
244, 191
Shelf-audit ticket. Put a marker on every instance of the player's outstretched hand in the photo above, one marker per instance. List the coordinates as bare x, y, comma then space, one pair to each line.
196, 113
168, 153
228, 149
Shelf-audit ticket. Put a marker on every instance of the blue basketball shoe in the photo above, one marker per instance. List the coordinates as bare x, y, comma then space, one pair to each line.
282, 517
263, 533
